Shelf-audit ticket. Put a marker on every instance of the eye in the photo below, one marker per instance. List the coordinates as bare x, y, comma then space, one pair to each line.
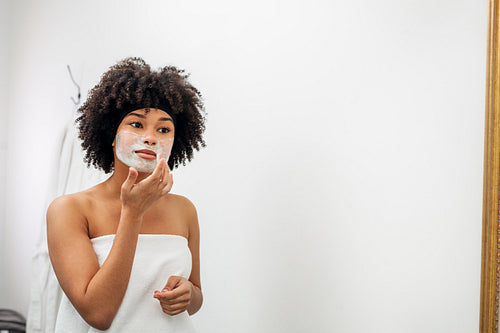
136, 124
164, 130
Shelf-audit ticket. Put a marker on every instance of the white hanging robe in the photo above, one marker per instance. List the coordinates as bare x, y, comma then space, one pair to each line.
69, 175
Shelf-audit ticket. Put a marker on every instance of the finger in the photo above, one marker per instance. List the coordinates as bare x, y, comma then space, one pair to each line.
168, 185
158, 172
176, 295
173, 282
161, 165
155, 176
174, 307
177, 312
173, 313
181, 292
168, 298
166, 171
131, 178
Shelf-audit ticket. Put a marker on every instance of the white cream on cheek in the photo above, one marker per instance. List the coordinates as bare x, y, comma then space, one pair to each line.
127, 143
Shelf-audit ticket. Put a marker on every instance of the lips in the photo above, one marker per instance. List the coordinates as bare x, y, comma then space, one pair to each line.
146, 153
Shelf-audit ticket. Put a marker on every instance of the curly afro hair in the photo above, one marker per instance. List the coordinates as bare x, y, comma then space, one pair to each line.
130, 85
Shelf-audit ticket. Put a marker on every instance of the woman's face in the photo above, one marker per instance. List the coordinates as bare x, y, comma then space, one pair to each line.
142, 136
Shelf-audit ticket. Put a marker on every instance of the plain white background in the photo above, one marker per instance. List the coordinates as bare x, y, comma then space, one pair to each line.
341, 189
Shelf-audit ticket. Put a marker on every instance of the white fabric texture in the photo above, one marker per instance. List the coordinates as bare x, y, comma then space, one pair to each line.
69, 175
157, 257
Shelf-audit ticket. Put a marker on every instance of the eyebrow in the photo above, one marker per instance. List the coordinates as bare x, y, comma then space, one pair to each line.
166, 119
144, 117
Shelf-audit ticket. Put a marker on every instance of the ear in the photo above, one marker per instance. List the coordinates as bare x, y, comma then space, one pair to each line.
113, 144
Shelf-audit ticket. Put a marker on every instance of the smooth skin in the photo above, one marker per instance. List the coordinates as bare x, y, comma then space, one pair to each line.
129, 203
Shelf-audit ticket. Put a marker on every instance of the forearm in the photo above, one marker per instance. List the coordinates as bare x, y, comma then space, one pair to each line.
196, 300
106, 289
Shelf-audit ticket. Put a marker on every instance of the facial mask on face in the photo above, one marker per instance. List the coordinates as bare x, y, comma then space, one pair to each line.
129, 146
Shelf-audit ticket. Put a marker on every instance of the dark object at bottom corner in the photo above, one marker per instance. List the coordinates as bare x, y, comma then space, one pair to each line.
12, 321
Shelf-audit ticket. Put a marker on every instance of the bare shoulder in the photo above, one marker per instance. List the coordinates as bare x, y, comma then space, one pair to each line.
69, 203
187, 211
69, 212
183, 203
64, 204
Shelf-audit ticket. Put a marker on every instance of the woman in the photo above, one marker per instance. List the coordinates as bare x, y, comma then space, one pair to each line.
126, 251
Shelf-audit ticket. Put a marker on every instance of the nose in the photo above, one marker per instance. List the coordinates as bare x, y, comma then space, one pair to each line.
149, 139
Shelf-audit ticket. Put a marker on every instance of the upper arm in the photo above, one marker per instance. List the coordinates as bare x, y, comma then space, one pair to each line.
70, 249
193, 241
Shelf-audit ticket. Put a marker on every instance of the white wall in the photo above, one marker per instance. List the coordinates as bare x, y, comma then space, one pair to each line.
341, 190
4, 95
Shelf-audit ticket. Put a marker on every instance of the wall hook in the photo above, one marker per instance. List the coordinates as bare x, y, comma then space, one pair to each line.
76, 84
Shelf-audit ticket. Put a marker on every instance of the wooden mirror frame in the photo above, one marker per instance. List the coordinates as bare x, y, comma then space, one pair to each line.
490, 256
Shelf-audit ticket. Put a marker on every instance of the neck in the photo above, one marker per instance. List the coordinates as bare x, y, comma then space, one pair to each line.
120, 174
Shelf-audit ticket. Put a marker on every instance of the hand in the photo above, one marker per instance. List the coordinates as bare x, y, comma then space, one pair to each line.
139, 197
176, 296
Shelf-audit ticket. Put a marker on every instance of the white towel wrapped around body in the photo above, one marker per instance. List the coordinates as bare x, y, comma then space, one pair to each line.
157, 257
